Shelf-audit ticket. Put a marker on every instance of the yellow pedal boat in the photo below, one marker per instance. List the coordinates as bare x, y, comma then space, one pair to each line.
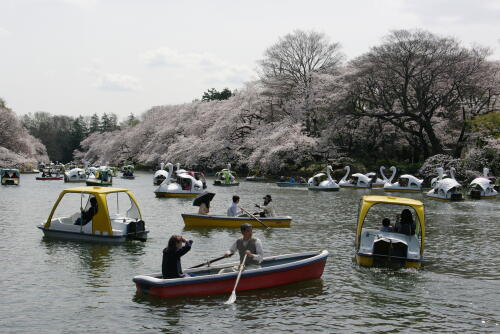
390, 246
195, 220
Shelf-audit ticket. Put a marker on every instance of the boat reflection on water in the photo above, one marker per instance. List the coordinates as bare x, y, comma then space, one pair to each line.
307, 290
93, 261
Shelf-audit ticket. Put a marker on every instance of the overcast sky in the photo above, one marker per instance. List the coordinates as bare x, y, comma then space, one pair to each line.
76, 57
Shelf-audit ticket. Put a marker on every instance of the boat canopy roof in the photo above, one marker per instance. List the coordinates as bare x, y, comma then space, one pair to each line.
9, 170
447, 184
369, 201
482, 182
94, 190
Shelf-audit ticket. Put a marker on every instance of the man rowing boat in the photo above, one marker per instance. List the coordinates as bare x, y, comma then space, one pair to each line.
248, 245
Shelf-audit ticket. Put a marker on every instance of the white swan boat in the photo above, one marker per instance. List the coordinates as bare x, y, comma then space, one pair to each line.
405, 183
446, 189
188, 184
356, 181
160, 175
377, 182
75, 175
482, 187
323, 182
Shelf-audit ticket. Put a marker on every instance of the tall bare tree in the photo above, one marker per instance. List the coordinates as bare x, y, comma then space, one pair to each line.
289, 67
419, 82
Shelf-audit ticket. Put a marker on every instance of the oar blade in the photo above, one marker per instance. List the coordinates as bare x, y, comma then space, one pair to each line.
231, 299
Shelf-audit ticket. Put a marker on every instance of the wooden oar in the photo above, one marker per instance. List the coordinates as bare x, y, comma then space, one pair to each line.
208, 262
248, 213
232, 298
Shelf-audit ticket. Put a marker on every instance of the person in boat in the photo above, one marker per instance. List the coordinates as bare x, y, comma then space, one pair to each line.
88, 214
302, 180
267, 208
292, 179
386, 225
171, 261
406, 225
233, 210
248, 245
204, 207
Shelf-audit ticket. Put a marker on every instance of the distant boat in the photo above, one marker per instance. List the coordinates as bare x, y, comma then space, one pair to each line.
482, 187
9, 176
356, 181
226, 178
322, 182
446, 189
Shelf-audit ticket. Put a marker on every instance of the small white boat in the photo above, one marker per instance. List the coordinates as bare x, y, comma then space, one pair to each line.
322, 182
75, 175
446, 189
356, 181
405, 183
99, 215
160, 175
9, 176
226, 177
482, 187
186, 185
128, 172
377, 182
101, 177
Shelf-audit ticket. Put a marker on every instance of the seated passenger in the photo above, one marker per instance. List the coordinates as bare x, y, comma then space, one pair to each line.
89, 214
386, 225
406, 225
171, 261
233, 210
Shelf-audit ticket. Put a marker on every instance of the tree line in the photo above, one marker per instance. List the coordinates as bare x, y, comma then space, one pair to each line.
413, 96
62, 135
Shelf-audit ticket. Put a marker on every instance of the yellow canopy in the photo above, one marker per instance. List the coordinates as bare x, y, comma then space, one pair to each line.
368, 201
100, 222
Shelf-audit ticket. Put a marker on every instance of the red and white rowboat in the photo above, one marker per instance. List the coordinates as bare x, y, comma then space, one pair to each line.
274, 271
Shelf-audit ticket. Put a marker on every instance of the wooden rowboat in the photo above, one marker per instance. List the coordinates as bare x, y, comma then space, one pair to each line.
274, 271
195, 220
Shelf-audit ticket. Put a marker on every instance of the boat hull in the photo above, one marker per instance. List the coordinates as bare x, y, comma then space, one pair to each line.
402, 190
220, 184
353, 187
128, 177
49, 178
369, 261
171, 195
66, 235
323, 189
265, 277
290, 185
193, 220
10, 182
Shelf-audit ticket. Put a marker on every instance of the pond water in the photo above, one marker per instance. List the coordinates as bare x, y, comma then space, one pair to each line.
67, 287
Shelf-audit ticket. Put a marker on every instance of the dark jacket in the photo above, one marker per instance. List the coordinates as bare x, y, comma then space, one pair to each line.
171, 262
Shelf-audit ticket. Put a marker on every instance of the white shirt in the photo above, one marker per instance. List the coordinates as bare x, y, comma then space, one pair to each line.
258, 246
269, 209
233, 210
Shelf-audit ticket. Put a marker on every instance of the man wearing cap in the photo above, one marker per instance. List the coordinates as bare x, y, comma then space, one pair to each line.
248, 245
267, 208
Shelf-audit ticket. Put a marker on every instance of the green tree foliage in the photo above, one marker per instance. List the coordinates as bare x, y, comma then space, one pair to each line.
63, 134
487, 125
212, 94
95, 124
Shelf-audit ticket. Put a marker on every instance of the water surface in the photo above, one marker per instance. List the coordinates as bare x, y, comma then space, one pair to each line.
67, 287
